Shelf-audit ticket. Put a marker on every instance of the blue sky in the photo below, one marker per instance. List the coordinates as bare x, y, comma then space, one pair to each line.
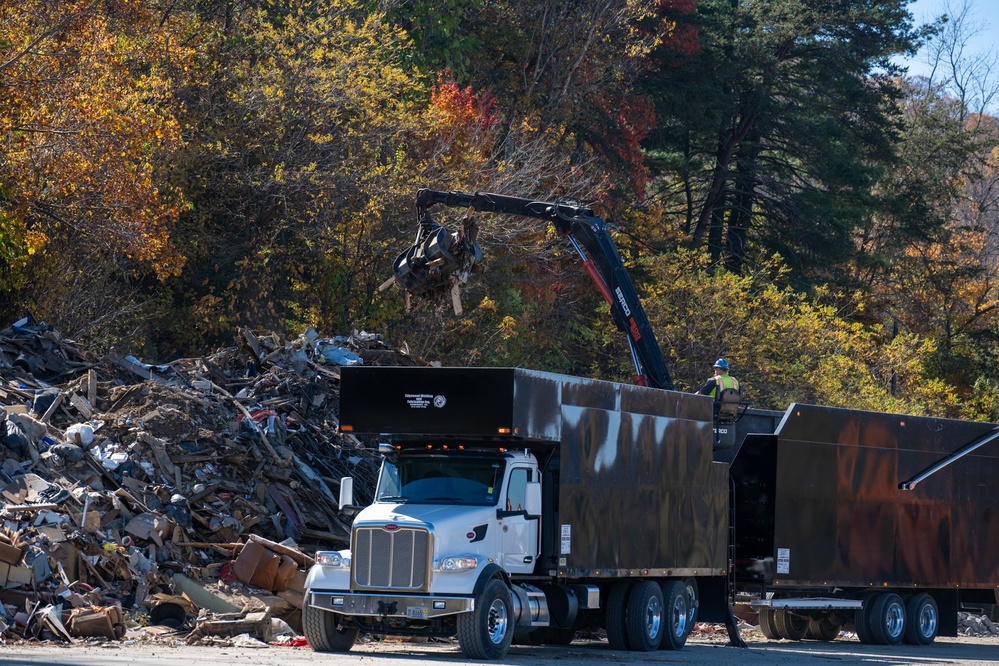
983, 12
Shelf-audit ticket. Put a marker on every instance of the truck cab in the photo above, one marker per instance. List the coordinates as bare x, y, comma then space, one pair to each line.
441, 515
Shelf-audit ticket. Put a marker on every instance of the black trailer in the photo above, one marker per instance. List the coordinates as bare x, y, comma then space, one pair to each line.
880, 523
636, 491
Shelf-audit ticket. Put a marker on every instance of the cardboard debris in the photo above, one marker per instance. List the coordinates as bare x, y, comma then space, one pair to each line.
210, 480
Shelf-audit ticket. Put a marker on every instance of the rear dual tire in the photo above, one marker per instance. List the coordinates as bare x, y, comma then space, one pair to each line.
647, 615
886, 619
922, 620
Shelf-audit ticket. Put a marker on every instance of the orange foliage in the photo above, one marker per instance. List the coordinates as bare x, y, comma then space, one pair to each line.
461, 107
628, 121
682, 38
84, 117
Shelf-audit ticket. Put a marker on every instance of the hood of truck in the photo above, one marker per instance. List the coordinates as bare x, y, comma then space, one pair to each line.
457, 530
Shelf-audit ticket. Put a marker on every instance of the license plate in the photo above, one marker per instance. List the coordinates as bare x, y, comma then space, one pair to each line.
416, 612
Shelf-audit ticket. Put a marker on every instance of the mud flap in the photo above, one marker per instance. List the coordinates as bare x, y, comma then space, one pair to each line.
734, 639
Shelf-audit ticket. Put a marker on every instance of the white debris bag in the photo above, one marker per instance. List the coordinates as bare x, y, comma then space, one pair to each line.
81, 434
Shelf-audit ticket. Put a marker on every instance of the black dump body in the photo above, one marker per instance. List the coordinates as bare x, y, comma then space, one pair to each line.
819, 505
632, 487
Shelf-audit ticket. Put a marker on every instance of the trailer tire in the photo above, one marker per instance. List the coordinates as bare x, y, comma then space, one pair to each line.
487, 632
822, 629
677, 629
922, 620
767, 626
887, 619
645, 617
321, 631
790, 626
617, 636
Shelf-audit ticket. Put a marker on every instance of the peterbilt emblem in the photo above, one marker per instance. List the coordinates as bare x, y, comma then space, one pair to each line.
439, 401
391, 527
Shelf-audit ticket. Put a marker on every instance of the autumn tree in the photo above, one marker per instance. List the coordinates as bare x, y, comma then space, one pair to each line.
783, 346
934, 266
87, 123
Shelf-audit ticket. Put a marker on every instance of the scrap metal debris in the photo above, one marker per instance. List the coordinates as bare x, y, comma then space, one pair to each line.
144, 499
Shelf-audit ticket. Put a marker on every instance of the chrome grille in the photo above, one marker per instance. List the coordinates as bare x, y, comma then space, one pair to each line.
392, 560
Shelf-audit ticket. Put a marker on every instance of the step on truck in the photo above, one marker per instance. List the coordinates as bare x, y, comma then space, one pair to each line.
520, 506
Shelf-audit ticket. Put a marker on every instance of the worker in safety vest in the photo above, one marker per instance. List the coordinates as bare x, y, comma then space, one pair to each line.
720, 381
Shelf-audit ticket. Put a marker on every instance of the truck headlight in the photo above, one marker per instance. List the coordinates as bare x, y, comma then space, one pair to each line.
330, 558
458, 563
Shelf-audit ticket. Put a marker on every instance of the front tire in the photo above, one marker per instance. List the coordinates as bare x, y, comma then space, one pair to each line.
325, 631
922, 620
487, 632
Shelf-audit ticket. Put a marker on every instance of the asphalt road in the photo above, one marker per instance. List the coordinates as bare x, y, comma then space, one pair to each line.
963, 651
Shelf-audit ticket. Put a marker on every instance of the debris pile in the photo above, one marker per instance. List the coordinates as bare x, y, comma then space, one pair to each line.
970, 624
180, 495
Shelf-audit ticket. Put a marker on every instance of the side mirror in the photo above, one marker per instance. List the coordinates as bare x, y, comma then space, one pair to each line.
533, 500
346, 492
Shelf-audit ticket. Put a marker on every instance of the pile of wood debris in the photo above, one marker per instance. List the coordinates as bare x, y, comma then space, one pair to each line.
183, 495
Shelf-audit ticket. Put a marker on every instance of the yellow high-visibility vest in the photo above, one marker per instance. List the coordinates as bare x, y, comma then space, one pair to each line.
723, 382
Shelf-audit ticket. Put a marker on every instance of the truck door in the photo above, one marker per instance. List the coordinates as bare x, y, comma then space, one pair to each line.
519, 533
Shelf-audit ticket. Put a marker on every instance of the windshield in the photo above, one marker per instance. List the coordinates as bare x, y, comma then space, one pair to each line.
440, 480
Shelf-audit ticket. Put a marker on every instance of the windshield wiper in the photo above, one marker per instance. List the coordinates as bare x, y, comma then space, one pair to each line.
393, 498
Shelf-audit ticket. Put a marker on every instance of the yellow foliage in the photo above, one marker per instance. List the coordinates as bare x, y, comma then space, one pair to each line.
83, 134
784, 346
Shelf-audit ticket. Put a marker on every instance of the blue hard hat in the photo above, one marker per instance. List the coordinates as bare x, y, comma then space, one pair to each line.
721, 363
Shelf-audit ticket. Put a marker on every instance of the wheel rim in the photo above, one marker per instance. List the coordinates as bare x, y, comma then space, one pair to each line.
497, 621
691, 609
653, 617
895, 619
679, 615
927, 621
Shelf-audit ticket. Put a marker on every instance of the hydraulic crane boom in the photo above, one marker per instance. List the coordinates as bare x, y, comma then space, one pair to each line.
438, 259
